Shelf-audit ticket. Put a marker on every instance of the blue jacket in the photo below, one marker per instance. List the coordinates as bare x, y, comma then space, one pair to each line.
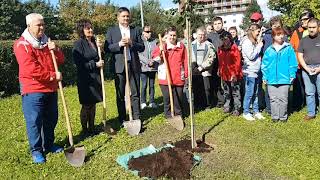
279, 67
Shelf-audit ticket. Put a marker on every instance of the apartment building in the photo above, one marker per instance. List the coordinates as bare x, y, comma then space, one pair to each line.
231, 11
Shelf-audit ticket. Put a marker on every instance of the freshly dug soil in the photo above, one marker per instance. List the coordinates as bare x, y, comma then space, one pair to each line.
185, 144
173, 163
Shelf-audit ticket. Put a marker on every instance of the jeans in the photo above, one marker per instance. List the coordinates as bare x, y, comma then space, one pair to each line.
232, 94
312, 85
251, 95
41, 115
145, 76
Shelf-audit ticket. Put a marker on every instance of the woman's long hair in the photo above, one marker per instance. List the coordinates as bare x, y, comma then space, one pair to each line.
250, 31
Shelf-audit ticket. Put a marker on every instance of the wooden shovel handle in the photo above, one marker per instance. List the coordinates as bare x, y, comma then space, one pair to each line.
63, 100
127, 81
102, 86
168, 75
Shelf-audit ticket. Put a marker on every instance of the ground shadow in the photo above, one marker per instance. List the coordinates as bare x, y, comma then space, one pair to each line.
203, 137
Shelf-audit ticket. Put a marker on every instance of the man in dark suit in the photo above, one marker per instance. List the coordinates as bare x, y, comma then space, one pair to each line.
118, 37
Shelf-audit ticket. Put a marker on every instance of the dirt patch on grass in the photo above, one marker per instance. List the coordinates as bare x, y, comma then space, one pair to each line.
185, 144
174, 163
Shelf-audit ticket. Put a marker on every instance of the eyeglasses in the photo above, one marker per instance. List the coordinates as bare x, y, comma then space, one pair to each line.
148, 31
304, 19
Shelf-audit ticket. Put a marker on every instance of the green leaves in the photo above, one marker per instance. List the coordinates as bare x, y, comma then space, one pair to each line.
291, 9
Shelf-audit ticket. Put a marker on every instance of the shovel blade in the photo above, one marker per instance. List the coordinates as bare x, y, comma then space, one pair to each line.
133, 127
176, 122
75, 155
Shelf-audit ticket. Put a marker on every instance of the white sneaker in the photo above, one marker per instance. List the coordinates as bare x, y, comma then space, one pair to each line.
248, 117
143, 105
153, 105
259, 116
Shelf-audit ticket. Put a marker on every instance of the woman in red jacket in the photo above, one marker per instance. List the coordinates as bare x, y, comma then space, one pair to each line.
230, 71
176, 55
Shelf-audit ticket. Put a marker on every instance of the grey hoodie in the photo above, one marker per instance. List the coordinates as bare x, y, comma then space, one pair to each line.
145, 56
251, 57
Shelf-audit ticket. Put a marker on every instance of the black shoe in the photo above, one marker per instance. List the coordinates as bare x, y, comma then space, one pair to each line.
275, 120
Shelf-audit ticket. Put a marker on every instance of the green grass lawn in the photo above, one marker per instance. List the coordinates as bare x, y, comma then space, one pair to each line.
243, 150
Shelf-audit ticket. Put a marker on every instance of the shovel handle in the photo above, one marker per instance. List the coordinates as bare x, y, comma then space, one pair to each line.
127, 81
102, 86
168, 75
63, 100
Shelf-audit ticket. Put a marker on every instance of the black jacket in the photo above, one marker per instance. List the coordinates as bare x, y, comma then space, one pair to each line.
88, 82
113, 38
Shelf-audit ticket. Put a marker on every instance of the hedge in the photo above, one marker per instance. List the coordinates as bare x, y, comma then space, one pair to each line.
9, 83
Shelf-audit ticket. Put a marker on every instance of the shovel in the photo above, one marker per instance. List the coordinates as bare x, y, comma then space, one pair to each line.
133, 126
107, 128
74, 155
175, 121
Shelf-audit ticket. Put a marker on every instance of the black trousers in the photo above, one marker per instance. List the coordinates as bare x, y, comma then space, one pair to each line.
120, 83
202, 90
298, 93
177, 93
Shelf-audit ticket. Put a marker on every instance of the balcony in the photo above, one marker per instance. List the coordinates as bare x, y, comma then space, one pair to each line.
214, 3
222, 11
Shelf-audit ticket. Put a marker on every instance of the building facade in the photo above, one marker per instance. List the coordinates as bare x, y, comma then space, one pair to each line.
231, 11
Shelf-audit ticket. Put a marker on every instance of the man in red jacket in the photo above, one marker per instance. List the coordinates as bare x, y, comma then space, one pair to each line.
38, 86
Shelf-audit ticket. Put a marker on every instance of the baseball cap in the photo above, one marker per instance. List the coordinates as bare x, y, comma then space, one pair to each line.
256, 16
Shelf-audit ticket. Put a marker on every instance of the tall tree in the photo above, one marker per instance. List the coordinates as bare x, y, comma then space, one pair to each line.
246, 19
101, 15
292, 9
12, 21
55, 26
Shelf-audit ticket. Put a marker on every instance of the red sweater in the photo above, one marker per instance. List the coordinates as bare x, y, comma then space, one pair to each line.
230, 63
36, 67
177, 62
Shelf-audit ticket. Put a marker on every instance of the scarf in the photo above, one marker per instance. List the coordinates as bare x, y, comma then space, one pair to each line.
36, 43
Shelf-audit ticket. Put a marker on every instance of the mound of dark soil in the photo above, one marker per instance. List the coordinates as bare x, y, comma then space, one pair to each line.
174, 163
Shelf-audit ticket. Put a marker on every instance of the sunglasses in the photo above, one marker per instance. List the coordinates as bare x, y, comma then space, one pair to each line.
304, 19
147, 31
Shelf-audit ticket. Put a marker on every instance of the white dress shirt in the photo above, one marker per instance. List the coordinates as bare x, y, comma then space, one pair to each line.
125, 32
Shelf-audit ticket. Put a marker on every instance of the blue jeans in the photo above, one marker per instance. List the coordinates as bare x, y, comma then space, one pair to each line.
145, 76
251, 95
41, 115
312, 85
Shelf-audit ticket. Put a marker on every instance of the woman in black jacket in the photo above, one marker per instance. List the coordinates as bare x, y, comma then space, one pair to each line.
85, 56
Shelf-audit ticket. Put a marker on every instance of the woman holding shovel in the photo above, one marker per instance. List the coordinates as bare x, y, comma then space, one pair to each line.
85, 56
177, 66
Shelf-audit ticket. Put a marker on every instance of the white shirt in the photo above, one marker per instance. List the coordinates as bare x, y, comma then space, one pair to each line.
125, 32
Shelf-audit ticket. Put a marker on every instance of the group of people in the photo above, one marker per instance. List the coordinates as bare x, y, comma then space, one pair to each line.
228, 71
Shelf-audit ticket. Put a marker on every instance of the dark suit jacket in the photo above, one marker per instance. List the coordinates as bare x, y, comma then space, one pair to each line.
113, 38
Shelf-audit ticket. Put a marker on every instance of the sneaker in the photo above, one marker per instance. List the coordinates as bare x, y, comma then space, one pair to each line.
248, 117
38, 157
226, 110
55, 149
259, 116
235, 113
308, 118
143, 105
153, 105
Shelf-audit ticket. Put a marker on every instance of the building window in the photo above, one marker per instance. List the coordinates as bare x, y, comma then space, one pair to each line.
234, 21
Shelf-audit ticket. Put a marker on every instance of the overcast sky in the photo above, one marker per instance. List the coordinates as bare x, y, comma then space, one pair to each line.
267, 13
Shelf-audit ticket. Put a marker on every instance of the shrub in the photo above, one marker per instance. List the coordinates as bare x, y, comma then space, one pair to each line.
9, 83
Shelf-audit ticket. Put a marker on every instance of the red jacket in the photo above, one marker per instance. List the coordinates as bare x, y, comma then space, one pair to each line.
177, 62
36, 67
230, 63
